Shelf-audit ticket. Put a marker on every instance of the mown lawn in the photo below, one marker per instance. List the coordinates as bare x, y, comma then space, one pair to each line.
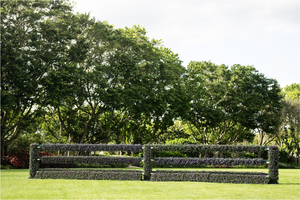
16, 185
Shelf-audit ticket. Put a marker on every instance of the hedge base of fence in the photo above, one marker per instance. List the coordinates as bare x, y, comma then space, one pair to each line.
57, 173
211, 176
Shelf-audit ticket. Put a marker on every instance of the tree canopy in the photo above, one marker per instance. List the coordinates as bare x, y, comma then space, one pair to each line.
227, 103
38, 44
292, 91
71, 78
288, 137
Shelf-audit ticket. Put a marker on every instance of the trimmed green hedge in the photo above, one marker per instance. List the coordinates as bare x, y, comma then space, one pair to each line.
211, 176
92, 147
221, 177
89, 174
183, 162
91, 160
189, 148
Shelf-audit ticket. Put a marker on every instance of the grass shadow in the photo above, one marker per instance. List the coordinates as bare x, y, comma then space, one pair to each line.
289, 183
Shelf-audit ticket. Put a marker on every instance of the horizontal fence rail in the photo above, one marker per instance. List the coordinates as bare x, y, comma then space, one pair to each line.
179, 161
90, 174
211, 176
92, 147
185, 148
90, 160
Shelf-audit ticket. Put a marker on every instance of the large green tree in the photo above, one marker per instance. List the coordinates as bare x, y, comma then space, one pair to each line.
127, 84
292, 91
227, 104
288, 137
41, 44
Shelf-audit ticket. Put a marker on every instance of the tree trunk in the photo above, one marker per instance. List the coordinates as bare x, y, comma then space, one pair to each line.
4, 149
69, 141
59, 138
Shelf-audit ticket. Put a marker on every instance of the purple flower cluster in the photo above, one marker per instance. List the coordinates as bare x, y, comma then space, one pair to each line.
147, 162
211, 176
92, 147
106, 160
90, 174
273, 164
188, 148
180, 161
33, 160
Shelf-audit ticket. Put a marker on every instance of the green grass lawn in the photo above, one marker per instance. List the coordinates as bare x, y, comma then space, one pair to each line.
16, 185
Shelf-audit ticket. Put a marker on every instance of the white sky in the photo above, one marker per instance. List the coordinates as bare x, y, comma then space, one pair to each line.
261, 33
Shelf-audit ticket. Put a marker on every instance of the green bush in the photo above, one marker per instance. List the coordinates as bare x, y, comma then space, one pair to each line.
6, 167
287, 166
264, 154
283, 156
251, 155
183, 141
168, 154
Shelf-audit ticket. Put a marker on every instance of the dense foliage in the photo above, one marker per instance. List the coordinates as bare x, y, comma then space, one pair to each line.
68, 78
19, 159
288, 137
227, 103
41, 44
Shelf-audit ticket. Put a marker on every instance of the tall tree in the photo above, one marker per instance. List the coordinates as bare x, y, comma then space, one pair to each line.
127, 82
288, 137
41, 44
227, 104
292, 91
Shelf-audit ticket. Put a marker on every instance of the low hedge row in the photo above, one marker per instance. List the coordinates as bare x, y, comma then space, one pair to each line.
181, 161
90, 174
210, 172
91, 160
92, 147
188, 148
233, 177
211, 176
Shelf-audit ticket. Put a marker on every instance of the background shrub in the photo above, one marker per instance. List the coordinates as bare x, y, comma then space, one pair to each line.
168, 154
17, 160
283, 156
